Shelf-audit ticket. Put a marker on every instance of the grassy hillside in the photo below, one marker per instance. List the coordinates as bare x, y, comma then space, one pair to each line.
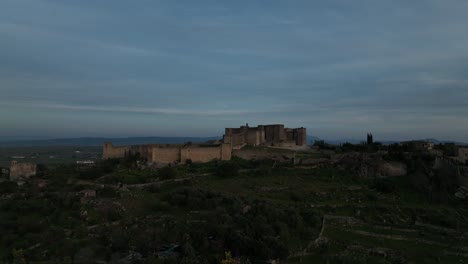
256, 212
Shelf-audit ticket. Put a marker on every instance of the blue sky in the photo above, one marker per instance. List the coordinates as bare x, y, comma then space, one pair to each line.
190, 68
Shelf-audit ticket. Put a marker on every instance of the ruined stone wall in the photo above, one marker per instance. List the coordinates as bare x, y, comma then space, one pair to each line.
200, 154
110, 152
145, 151
206, 153
21, 170
166, 154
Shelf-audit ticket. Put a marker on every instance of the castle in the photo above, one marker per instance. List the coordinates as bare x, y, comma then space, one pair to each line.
268, 135
234, 138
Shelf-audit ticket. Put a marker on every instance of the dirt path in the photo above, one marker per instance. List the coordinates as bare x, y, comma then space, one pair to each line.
140, 185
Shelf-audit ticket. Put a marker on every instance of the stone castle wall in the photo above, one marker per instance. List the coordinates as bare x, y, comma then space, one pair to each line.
168, 153
204, 154
110, 151
21, 170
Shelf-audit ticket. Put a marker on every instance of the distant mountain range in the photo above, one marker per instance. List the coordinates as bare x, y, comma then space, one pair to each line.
90, 141
99, 141
312, 139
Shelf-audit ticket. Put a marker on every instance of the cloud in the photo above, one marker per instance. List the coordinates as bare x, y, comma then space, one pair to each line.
326, 65
128, 109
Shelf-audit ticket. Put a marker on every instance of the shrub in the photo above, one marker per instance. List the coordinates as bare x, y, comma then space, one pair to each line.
371, 197
294, 197
107, 192
91, 174
8, 187
227, 169
384, 185
41, 169
264, 171
167, 173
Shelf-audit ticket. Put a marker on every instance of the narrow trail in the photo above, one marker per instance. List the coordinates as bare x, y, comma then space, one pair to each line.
351, 221
139, 185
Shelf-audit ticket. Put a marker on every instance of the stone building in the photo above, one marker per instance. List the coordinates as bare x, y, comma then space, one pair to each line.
267, 135
4, 172
21, 170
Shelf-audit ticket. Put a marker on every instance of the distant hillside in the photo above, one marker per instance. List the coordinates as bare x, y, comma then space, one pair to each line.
98, 141
312, 139
88, 141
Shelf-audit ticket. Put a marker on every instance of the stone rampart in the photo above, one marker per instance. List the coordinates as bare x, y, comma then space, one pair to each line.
166, 155
201, 154
160, 153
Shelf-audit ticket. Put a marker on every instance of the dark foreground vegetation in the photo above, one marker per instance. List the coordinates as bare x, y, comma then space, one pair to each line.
120, 211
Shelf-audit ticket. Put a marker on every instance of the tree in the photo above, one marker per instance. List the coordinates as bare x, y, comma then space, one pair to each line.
228, 259
227, 169
167, 173
18, 256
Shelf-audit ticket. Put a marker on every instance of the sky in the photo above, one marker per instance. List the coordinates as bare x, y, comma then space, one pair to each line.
340, 68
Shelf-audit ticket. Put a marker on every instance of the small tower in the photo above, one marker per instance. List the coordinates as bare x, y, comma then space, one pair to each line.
370, 139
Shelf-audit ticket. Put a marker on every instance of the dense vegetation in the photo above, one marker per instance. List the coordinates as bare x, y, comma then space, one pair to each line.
244, 211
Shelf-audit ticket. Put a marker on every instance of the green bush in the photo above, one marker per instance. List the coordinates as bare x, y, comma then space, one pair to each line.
167, 173
107, 192
91, 174
264, 171
227, 169
8, 187
294, 197
371, 197
383, 185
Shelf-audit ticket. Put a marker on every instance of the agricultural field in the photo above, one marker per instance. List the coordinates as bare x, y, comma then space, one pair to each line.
49, 155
